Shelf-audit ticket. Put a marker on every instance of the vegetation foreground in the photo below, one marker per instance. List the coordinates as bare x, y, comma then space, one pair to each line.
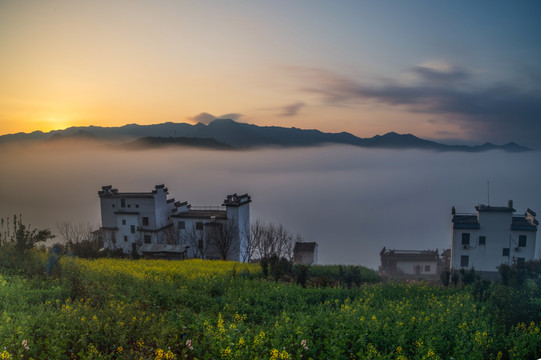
195, 309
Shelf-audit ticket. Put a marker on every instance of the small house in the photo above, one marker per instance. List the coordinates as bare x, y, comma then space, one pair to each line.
305, 253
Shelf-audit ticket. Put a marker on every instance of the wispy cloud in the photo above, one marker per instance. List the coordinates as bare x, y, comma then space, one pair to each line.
500, 112
291, 109
206, 118
441, 73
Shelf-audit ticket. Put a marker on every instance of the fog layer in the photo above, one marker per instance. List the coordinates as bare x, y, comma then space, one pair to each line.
351, 201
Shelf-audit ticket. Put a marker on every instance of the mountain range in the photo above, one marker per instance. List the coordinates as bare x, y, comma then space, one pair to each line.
229, 134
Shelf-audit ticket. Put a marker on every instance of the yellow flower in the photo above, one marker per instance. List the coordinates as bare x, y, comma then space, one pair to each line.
226, 353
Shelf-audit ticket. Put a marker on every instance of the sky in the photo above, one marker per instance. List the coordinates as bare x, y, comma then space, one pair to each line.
454, 71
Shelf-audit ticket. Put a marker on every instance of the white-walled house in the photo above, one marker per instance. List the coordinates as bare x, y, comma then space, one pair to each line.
491, 237
305, 253
137, 222
414, 264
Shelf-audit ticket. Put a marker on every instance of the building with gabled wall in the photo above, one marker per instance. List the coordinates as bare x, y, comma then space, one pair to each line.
131, 220
410, 264
491, 237
305, 253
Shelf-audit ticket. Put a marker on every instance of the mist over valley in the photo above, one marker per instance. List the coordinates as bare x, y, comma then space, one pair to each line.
352, 201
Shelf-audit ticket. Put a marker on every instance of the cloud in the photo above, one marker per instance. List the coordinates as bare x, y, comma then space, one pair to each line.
441, 72
498, 113
206, 118
291, 109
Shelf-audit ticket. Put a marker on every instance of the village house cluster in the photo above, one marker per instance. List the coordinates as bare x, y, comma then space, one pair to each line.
150, 224
484, 240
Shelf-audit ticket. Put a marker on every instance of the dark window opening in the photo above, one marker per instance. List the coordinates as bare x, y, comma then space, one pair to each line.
123, 222
521, 261
125, 238
122, 202
137, 206
145, 221
482, 240
148, 239
113, 205
465, 238
505, 252
181, 225
464, 260
427, 268
199, 225
132, 229
522, 240
129, 205
200, 244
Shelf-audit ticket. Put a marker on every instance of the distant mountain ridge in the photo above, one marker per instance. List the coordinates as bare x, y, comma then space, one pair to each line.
227, 133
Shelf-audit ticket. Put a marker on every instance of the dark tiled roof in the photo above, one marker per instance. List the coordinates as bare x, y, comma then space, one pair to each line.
122, 212
162, 248
494, 208
427, 255
465, 221
237, 200
305, 246
521, 223
130, 195
201, 214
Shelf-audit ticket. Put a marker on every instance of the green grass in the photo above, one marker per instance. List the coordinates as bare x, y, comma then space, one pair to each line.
109, 309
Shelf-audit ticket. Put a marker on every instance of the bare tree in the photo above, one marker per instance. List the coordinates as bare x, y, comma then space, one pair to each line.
75, 233
270, 240
284, 243
248, 247
195, 240
224, 237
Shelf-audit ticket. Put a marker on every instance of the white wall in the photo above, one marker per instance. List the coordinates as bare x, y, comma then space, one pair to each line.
408, 267
496, 227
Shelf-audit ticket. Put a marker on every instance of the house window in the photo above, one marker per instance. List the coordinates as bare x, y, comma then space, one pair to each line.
137, 206
427, 268
200, 244
521, 261
505, 252
145, 221
125, 238
465, 238
113, 205
198, 225
132, 229
181, 225
122, 202
129, 205
123, 222
482, 240
148, 239
464, 260
522, 240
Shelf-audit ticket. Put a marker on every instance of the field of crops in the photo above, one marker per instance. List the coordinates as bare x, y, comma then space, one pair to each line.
195, 309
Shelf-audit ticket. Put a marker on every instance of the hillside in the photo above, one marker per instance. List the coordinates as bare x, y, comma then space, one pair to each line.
227, 133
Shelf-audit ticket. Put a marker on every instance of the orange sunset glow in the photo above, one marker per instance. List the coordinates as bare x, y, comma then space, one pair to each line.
108, 64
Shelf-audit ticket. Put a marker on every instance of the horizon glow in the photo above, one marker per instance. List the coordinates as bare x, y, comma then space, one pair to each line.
464, 71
